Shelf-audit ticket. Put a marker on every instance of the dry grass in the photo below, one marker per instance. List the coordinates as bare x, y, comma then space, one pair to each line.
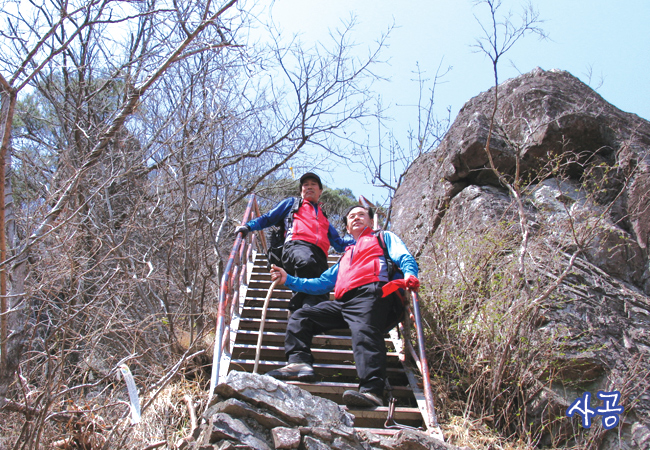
169, 418
475, 434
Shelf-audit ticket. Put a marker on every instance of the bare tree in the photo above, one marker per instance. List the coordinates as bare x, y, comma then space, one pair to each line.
57, 51
499, 37
136, 130
385, 163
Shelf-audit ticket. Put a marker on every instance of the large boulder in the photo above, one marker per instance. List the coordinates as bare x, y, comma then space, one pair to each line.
260, 412
561, 218
543, 118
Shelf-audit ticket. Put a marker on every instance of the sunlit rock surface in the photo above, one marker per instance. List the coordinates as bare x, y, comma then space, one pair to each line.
584, 170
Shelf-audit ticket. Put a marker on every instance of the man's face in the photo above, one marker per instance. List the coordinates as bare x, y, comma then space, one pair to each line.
358, 219
310, 190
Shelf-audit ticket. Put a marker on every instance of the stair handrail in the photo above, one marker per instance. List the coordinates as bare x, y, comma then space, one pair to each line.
234, 275
420, 358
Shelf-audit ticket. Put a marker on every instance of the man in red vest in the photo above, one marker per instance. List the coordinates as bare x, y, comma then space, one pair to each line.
360, 305
308, 236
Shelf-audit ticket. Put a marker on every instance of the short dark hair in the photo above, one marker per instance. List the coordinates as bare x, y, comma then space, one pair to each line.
368, 209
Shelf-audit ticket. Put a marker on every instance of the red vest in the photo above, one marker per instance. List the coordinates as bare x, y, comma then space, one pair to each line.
361, 264
311, 227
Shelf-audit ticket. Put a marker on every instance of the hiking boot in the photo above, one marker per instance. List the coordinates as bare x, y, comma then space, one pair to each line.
362, 399
294, 371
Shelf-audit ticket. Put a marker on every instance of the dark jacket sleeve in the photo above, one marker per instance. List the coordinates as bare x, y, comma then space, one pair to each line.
273, 217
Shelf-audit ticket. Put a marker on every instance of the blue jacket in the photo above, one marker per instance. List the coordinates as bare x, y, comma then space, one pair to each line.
326, 282
282, 210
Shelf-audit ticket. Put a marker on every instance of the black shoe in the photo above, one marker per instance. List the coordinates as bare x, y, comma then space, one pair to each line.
362, 399
294, 371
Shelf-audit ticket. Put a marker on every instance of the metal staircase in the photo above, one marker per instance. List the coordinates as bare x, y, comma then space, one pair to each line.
334, 363
244, 288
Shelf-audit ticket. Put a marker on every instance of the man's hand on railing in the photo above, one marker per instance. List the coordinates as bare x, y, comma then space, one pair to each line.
412, 283
278, 273
243, 229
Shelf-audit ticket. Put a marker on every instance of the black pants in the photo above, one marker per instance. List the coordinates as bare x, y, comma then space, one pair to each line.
364, 311
305, 260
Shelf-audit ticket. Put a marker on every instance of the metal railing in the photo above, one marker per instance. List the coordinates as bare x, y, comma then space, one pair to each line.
420, 358
234, 276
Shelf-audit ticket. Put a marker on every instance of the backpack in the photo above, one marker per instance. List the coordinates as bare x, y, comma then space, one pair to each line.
277, 235
397, 300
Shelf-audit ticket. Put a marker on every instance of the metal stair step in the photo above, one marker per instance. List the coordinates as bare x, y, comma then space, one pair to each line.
321, 355
255, 312
376, 417
261, 262
274, 333
261, 293
260, 289
265, 284
270, 325
272, 337
258, 302
329, 372
330, 389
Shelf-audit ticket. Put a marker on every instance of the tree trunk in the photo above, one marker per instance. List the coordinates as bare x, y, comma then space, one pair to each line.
13, 317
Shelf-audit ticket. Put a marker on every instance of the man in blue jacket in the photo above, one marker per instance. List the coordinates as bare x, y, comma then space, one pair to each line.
308, 236
357, 281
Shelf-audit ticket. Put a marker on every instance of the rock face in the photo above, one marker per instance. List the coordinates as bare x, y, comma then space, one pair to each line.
253, 411
581, 169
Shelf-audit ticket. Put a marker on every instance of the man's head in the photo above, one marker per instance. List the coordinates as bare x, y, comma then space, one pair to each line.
358, 218
311, 187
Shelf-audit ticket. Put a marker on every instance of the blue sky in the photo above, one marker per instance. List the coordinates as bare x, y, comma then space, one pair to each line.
604, 43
